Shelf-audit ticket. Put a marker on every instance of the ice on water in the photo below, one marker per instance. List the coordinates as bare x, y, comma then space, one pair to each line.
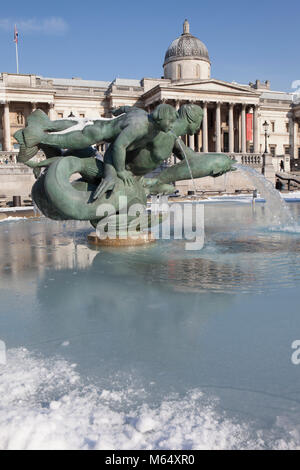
194, 351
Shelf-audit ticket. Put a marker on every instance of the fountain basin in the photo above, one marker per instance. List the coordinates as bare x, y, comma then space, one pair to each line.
176, 348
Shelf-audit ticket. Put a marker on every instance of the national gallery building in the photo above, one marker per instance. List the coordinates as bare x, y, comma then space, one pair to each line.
234, 113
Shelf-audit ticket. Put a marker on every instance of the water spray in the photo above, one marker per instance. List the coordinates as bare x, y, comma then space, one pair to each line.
178, 140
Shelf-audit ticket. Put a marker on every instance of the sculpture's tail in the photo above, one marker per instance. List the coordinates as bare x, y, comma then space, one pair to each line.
66, 200
70, 202
40, 119
30, 136
25, 153
38, 123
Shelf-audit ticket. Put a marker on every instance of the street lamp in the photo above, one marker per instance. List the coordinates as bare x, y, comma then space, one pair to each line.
266, 128
71, 115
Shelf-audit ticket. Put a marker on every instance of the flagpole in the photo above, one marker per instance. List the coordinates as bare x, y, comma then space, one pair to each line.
17, 57
16, 38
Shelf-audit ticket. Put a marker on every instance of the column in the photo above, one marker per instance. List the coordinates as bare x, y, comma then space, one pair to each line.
199, 140
293, 137
52, 114
204, 129
6, 127
177, 106
239, 120
243, 134
231, 129
218, 127
192, 142
255, 129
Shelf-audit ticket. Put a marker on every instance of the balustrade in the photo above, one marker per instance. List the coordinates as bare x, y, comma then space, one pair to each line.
10, 158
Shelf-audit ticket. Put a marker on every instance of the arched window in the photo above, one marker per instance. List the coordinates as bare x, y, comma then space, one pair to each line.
178, 72
197, 71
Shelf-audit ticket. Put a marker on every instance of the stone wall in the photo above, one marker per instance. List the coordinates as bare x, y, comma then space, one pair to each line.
15, 180
228, 183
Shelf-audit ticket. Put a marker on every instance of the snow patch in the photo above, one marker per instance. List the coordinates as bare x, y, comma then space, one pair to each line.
45, 405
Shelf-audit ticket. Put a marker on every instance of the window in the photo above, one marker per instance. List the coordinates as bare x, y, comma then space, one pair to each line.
273, 126
287, 127
287, 150
82, 115
60, 115
298, 152
273, 150
197, 71
178, 72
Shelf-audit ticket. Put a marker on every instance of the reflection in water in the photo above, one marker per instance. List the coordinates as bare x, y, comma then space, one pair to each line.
158, 319
30, 247
237, 259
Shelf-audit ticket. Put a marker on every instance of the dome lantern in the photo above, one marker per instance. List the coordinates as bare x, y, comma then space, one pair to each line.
186, 27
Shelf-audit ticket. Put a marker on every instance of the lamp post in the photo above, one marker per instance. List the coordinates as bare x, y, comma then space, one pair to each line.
71, 115
268, 169
266, 128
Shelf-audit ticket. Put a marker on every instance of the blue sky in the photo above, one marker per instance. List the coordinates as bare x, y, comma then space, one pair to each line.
101, 40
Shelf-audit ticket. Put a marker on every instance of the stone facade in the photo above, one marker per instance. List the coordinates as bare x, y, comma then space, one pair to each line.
230, 109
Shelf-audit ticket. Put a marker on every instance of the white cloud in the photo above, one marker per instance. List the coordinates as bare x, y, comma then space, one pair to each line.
53, 25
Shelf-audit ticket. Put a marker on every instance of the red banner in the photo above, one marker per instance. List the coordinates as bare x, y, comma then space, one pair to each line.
249, 124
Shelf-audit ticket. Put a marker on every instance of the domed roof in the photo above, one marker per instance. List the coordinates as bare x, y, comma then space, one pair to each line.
187, 45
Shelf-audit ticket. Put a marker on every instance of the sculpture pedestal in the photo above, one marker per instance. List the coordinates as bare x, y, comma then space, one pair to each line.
268, 168
142, 239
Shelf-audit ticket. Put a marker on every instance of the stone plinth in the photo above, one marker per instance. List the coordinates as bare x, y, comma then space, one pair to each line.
141, 239
268, 168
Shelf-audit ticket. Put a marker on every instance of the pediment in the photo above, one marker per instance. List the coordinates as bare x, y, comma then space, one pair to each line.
215, 86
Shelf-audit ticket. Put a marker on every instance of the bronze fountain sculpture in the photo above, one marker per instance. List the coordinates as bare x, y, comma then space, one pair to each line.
139, 143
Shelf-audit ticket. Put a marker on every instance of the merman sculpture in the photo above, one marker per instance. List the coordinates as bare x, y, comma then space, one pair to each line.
139, 143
